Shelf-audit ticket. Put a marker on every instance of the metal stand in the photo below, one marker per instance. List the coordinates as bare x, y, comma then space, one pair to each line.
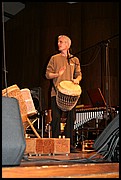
42, 127
107, 79
38, 125
47, 126
79, 137
42, 117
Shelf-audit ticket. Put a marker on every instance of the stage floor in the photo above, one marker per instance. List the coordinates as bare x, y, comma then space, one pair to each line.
72, 165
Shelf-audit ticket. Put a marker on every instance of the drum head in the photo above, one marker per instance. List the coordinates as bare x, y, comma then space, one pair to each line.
69, 88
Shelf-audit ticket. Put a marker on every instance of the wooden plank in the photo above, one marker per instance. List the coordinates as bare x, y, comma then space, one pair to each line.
97, 170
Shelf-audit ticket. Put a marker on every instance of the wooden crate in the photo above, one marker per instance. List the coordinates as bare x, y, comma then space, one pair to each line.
38, 145
47, 145
60, 145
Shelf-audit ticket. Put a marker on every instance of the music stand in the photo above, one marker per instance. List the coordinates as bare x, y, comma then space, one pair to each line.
96, 97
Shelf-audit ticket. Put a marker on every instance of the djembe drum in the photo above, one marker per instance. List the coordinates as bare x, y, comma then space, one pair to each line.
29, 102
67, 95
25, 102
31, 111
14, 91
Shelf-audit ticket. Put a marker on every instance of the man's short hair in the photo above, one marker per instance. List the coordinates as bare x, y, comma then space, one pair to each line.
67, 39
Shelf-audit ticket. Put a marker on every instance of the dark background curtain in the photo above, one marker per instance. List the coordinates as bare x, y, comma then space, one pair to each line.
31, 38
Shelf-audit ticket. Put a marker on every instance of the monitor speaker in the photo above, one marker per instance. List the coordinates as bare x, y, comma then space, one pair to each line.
107, 143
36, 96
13, 140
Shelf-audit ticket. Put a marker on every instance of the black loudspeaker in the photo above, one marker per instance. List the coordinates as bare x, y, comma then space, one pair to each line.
13, 140
36, 96
107, 143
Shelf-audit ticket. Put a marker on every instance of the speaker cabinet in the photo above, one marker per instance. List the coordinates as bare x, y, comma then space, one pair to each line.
107, 143
36, 96
13, 141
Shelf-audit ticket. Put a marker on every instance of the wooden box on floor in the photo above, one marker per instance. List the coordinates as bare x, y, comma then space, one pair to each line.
47, 145
60, 145
38, 145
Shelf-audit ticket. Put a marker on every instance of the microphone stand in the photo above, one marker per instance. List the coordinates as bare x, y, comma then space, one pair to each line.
106, 43
4, 59
101, 42
107, 79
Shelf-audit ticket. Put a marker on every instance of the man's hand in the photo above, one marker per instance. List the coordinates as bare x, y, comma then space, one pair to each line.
75, 81
61, 71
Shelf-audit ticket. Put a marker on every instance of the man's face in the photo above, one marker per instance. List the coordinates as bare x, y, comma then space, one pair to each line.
62, 44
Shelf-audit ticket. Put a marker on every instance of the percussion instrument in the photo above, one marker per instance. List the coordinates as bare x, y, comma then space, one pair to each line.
26, 106
84, 115
14, 91
29, 102
67, 95
30, 107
